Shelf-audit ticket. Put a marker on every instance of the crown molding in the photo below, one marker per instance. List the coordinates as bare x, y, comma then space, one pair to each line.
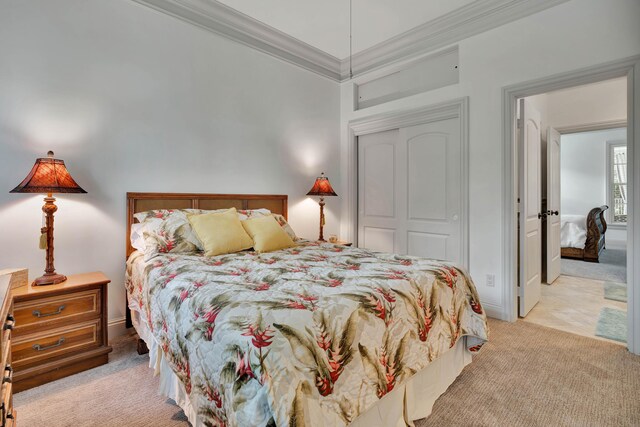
457, 25
228, 22
467, 21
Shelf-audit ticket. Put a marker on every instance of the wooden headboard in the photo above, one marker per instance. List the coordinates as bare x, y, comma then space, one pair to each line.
141, 202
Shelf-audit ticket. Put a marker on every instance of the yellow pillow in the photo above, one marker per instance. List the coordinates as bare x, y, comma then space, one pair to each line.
267, 234
220, 233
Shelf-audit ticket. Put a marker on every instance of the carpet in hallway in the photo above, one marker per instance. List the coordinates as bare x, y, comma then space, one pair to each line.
612, 267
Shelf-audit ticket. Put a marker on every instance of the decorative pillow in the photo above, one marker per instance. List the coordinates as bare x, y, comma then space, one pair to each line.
167, 231
267, 234
285, 226
245, 214
220, 233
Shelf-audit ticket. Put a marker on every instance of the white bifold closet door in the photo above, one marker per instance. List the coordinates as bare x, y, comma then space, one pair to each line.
409, 190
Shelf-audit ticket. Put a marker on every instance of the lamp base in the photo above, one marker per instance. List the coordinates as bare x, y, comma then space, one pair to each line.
49, 279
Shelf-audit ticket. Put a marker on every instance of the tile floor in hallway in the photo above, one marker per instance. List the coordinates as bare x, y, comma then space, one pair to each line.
573, 304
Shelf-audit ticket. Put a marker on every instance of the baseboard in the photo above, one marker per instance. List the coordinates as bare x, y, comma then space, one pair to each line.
494, 311
117, 327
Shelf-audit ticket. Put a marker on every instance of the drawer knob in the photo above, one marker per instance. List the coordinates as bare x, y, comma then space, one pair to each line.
38, 347
37, 313
8, 378
10, 323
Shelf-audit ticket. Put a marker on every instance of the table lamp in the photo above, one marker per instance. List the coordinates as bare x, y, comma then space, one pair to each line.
48, 176
322, 188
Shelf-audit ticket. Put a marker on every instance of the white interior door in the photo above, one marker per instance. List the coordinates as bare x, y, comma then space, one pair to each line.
409, 190
530, 206
553, 205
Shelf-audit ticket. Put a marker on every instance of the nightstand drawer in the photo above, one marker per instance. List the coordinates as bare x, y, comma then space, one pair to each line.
33, 348
48, 311
5, 347
6, 408
6, 357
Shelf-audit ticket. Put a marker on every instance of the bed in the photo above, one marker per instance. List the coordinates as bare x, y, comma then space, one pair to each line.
314, 335
583, 237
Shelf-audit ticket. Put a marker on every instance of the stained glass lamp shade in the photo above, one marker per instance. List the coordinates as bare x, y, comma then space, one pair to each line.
322, 187
48, 176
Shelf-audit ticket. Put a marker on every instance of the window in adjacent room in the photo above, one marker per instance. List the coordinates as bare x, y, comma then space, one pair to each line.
617, 182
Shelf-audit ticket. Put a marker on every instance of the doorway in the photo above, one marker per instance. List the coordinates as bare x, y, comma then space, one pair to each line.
583, 204
630, 70
572, 265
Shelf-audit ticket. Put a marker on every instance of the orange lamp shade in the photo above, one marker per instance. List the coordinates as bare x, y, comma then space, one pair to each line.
322, 187
48, 176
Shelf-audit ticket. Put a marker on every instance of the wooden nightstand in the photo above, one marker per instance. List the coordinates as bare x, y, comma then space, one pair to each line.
60, 329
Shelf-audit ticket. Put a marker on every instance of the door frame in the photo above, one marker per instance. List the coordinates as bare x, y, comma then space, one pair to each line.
457, 108
626, 67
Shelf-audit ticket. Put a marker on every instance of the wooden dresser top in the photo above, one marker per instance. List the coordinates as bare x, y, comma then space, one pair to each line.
5, 282
73, 281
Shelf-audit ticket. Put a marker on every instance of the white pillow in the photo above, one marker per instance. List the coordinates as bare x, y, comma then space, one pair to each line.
137, 237
167, 231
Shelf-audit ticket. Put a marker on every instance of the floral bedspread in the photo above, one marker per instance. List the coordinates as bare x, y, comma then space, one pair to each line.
313, 335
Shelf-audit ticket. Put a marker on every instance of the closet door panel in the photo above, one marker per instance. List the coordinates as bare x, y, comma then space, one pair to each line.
377, 186
434, 176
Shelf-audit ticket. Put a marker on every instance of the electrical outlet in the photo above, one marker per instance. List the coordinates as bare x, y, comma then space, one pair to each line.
491, 280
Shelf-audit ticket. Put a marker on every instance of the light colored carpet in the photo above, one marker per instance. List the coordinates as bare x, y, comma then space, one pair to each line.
120, 393
530, 375
612, 266
612, 324
527, 375
615, 291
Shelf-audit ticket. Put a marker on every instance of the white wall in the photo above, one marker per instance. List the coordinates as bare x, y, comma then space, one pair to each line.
583, 173
582, 106
134, 100
589, 104
573, 35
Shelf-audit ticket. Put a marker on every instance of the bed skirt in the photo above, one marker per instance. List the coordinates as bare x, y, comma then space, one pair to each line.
411, 401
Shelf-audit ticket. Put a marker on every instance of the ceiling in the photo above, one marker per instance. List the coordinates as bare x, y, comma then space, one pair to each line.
325, 24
